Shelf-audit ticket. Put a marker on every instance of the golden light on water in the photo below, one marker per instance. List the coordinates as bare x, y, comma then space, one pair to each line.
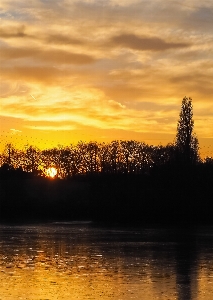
75, 262
51, 172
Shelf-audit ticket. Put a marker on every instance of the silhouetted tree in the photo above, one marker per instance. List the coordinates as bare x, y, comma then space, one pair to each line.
104, 158
31, 159
208, 160
186, 140
115, 156
8, 154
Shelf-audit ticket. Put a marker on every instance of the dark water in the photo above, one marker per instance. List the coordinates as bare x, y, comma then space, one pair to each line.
83, 261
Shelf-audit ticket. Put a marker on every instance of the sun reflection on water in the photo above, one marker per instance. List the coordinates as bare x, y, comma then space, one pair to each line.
82, 263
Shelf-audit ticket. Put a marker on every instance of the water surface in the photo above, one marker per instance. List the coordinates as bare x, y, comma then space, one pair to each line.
84, 261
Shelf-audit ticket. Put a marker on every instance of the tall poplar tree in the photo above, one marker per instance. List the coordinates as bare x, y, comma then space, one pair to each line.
186, 140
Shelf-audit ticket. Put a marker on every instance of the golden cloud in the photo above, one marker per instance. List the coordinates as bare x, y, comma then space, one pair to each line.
52, 55
13, 32
144, 43
69, 64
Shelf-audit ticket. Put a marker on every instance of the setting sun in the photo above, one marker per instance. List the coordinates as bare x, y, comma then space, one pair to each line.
51, 172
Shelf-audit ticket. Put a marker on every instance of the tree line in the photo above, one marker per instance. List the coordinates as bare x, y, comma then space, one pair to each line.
139, 183
88, 158
116, 157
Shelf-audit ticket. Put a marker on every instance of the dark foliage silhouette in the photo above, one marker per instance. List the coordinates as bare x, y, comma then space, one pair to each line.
117, 157
121, 181
186, 140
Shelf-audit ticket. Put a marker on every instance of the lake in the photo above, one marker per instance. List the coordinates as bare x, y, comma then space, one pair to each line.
80, 260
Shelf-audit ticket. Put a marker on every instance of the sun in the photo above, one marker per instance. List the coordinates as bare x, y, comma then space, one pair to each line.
51, 172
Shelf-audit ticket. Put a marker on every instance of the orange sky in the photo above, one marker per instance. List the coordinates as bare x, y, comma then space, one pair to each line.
104, 70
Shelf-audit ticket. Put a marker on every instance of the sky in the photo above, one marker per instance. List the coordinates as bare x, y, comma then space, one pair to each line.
100, 70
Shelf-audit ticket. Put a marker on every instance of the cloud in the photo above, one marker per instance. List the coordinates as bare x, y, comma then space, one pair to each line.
65, 57
51, 127
198, 83
80, 106
44, 74
48, 55
200, 19
113, 65
13, 32
15, 131
88, 107
135, 42
62, 39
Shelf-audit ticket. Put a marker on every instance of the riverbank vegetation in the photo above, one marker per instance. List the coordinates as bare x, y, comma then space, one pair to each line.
121, 181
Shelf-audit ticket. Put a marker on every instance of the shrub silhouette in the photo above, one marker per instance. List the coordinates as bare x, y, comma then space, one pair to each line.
120, 181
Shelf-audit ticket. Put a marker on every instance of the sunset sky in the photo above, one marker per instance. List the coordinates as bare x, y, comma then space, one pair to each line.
104, 70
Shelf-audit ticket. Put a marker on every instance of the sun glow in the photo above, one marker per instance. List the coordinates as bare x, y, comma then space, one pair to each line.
51, 172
